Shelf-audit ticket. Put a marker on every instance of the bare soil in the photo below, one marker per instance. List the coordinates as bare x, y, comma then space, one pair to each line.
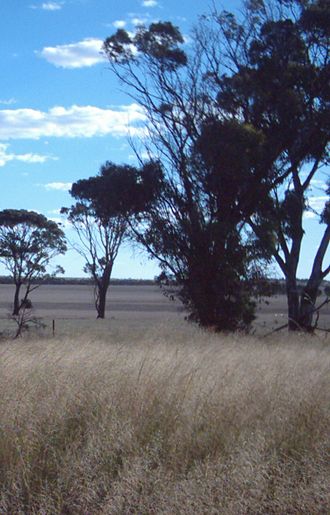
134, 304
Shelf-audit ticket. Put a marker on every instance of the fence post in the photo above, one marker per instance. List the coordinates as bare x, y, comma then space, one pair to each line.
53, 327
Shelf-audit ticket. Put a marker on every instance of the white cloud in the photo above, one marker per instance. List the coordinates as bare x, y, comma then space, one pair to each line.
319, 184
144, 155
8, 101
31, 158
87, 52
62, 222
316, 205
6, 156
48, 6
72, 122
136, 21
149, 3
318, 202
119, 24
51, 6
58, 186
55, 214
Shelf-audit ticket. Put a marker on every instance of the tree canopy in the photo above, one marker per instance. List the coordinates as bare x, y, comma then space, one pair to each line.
279, 85
240, 123
101, 216
28, 243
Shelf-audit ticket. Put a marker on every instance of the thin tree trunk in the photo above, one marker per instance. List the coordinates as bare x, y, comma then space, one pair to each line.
293, 304
102, 289
16, 299
309, 294
307, 305
102, 294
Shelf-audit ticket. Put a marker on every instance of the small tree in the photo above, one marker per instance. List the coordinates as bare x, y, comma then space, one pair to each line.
28, 242
101, 216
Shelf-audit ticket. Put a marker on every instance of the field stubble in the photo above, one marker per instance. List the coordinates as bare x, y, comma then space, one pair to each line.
168, 419
128, 305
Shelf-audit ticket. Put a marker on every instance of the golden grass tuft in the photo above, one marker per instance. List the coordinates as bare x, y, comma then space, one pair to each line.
172, 421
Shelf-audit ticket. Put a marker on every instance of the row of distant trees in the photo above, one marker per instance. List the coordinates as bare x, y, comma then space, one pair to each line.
237, 131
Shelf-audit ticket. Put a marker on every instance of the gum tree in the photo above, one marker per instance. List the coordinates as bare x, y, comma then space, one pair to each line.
278, 84
240, 123
28, 243
101, 216
193, 229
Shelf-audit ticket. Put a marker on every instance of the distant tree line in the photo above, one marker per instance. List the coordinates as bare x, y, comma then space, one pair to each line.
236, 133
272, 286
82, 281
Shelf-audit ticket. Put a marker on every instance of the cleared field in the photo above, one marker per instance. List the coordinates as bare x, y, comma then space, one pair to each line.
78, 300
142, 304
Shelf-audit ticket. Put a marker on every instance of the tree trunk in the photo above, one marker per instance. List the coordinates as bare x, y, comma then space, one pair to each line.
101, 301
293, 304
309, 294
307, 306
16, 299
102, 289
301, 310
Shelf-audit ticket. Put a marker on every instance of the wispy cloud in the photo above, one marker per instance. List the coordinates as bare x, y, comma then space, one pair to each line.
119, 24
48, 6
54, 212
318, 202
316, 205
51, 6
72, 122
58, 186
138, 20
319, 184
8, 101
62, 222
6, 156
85, 53
149, 3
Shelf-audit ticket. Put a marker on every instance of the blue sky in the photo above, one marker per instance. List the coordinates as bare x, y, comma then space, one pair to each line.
62, 113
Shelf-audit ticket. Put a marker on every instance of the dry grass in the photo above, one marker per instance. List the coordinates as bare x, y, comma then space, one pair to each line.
170, 421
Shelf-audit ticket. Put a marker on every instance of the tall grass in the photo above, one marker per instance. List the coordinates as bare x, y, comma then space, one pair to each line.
176, 422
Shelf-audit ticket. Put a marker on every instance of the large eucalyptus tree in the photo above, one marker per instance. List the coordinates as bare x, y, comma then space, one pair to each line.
239, 120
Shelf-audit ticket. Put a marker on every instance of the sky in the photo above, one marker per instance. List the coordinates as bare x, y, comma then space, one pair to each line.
62, 113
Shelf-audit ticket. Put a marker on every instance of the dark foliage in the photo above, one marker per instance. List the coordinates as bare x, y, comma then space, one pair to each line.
241, 127
28, 242
101, 215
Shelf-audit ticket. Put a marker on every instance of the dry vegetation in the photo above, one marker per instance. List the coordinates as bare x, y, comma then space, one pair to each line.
171, 420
